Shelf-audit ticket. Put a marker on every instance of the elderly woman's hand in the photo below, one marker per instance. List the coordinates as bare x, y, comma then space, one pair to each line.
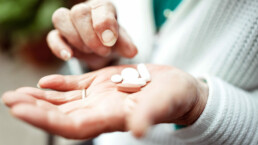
172, 96
89, 31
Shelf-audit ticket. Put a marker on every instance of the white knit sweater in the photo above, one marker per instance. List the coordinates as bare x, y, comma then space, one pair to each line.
218, 38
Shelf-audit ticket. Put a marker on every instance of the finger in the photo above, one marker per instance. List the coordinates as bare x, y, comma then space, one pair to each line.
104, 22
82, 20
125, 46
52, 96
50, 120
62, 22
12, 98
149, 110
58, 46
66, 83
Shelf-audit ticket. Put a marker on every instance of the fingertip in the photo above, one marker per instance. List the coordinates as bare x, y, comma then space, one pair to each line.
138, 134
138, 125
65, 55
139, 129
132, 52
7, 98
50, 81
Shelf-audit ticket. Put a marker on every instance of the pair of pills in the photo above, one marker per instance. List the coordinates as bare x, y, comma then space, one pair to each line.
132, 79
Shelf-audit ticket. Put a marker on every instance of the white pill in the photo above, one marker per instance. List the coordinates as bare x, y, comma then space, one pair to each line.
135, 81
116, 78
143, 71
129, 73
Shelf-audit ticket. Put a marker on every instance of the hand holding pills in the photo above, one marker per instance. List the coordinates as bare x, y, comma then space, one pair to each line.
170, 96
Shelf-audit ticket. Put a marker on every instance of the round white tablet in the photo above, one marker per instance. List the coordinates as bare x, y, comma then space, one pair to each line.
129, 73
116, 78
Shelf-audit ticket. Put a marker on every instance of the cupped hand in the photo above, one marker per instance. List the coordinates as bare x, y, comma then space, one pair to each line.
89, 31
171, 96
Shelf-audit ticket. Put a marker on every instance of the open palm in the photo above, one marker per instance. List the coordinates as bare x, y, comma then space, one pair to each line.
64, 112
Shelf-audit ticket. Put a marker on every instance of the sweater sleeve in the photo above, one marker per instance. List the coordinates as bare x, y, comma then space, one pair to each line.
230, 117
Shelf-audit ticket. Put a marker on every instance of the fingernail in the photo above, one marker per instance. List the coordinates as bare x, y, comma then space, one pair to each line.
65, 55
38, 86
108, 38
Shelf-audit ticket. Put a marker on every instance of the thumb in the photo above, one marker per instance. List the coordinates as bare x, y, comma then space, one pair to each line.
149, 110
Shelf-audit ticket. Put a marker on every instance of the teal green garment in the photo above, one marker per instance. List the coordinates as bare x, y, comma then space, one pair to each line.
159, 6
177, 127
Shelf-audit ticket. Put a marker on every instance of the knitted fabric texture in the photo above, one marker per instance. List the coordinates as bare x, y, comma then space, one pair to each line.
218, 38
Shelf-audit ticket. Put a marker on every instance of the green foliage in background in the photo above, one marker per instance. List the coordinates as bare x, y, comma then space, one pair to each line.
23, 18
21, 14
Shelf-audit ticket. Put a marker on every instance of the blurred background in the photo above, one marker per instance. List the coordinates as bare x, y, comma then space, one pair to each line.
24, 59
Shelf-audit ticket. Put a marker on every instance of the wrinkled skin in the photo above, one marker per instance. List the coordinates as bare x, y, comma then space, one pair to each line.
171, 96
79, 33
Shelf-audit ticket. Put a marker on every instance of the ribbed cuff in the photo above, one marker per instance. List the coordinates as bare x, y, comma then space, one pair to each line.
230, 117
205, 129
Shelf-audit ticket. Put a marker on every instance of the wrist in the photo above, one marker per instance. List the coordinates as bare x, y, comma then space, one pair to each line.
202, 97
198, 106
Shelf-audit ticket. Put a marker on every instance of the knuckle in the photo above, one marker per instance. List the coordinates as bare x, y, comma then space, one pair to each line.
73, 40
99, 3
108, 21
59, 14
93, 44
80, 10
